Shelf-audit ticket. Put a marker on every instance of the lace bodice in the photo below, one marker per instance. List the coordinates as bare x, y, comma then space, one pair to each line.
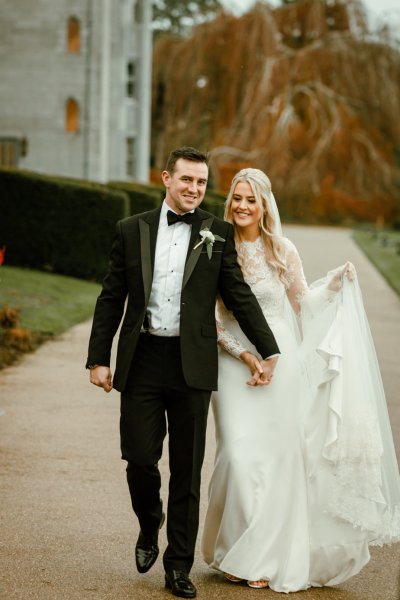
269, 290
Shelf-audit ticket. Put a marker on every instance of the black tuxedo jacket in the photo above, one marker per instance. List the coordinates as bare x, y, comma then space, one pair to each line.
130, 277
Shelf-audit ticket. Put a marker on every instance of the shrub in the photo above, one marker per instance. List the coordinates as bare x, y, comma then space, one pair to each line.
14, 340
214, 202
141, 197
58, 224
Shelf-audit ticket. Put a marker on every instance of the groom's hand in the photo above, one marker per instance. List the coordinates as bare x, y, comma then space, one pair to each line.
102, 377
253, 363
268, 366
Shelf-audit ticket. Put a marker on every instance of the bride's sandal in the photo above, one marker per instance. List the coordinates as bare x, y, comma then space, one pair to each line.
259, 584
232, 578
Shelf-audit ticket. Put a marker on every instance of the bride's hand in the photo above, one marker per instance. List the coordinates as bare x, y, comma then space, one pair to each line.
253, 363
348, 270
268, 366
264, 371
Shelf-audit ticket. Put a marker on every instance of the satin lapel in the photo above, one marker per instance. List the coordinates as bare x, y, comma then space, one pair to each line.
148, 227
194, 255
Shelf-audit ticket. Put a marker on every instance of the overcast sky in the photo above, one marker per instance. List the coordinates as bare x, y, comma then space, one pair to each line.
379, 7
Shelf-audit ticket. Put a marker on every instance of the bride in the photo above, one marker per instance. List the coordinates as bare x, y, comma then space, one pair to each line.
305, 475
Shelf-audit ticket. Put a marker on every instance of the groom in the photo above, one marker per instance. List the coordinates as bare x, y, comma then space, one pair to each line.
169, 264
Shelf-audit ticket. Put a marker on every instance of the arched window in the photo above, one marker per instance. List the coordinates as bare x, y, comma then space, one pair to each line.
71, 116
74, 35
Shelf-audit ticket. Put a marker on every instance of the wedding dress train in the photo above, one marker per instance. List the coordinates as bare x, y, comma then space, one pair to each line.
305, 475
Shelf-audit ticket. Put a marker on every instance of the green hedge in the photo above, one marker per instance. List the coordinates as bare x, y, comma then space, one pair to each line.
141, 197
214, 202
56, 224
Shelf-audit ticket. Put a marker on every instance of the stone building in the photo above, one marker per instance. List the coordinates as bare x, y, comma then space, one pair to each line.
75, 85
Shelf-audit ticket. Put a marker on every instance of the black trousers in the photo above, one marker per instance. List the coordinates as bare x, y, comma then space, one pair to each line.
156, 397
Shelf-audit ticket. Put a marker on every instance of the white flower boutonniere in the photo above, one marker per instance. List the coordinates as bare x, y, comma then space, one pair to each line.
208, 238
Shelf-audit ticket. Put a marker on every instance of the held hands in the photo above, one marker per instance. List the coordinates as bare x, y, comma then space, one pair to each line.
261, 371
101, 376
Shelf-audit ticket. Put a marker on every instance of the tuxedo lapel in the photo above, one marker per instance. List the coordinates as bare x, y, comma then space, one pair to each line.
194, 254
148, 228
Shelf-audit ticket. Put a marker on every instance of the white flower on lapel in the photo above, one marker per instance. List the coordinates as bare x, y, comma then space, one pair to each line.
208, 238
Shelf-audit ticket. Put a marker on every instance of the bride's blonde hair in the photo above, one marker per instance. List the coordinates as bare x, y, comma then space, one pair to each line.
261, 187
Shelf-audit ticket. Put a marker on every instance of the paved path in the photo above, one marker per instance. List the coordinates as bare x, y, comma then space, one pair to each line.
66, 528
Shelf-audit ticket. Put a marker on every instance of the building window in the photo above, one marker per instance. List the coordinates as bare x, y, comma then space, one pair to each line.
138, 12
131, 79
74, 35
71, 116
9, 152
130, 156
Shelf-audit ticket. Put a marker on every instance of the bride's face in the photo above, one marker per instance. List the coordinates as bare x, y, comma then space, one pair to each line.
245, 211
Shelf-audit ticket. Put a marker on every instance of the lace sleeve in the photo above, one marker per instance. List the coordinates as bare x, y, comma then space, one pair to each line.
226, 340
298, 291
297, 284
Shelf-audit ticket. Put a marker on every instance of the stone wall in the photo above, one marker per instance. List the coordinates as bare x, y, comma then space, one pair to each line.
38, 75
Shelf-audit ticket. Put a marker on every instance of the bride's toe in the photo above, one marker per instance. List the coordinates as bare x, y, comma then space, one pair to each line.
259, 584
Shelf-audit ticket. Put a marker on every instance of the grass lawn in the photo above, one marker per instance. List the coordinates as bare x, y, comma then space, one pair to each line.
383, 250
48, 303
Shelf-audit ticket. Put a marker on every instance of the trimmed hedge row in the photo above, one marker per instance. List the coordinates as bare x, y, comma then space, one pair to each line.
56, 224
214, 202
66, 225
141, 197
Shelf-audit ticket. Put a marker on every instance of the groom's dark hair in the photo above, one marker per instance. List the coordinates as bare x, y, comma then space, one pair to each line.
187, 153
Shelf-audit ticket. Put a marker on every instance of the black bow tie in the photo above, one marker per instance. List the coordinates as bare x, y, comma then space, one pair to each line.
188, 218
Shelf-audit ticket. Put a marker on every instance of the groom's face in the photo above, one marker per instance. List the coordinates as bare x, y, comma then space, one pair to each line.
186, 186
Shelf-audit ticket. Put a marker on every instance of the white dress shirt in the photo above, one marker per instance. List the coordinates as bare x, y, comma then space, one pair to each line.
163, 310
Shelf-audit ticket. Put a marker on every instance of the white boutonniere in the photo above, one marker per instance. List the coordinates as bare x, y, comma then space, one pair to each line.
208, 238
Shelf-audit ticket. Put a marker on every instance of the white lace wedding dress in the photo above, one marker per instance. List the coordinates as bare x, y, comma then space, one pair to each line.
270, 514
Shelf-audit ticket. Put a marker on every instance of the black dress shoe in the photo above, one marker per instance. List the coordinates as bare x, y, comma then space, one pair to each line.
146, 550
180, 584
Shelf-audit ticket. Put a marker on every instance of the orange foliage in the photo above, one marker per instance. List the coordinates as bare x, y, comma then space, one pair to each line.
332, 203
9, 317
297, 91
227, 171
155, 176
15, 340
